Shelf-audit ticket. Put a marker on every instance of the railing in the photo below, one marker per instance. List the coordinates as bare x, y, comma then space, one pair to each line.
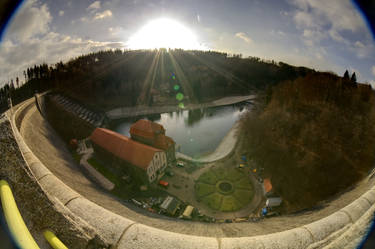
17, 227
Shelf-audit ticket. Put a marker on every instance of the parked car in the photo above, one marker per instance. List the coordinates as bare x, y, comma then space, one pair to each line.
241, 166
180, 164
164, 183
169, 173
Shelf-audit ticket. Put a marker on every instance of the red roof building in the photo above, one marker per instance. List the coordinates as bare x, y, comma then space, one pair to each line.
153, 134
147, 158
267, 185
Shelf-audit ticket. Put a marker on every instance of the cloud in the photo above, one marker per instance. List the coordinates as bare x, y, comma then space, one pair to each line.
244, 37
94, 6
29, 41
102, 15
373, 70
32, 19
333, 17
359, 44
61, 13
51, 48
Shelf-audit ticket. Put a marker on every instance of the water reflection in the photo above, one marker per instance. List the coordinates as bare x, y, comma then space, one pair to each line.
196, 132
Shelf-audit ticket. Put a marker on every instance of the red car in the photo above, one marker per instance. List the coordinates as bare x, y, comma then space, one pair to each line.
163, 183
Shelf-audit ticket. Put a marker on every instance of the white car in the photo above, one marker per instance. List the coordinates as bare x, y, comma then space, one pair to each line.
180, 164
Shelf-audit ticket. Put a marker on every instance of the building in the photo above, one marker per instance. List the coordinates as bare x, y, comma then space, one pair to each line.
170, 205
153, 134
267, 187
126, 156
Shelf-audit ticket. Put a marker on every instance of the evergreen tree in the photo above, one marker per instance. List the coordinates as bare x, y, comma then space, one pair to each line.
346, 75
353, 78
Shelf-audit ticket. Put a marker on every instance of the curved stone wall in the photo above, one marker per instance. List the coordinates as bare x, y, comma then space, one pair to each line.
121, 232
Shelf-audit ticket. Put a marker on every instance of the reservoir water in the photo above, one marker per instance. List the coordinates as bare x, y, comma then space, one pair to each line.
196, 132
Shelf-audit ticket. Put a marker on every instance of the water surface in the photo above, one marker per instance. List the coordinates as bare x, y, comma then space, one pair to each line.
196, 132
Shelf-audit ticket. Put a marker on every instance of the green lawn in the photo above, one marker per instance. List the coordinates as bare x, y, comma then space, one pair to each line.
207, 189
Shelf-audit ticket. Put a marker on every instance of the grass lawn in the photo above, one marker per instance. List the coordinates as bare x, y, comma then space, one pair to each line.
202, 189
239, 192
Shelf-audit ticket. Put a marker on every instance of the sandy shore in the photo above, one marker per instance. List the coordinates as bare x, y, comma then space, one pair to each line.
225, 148
124, 112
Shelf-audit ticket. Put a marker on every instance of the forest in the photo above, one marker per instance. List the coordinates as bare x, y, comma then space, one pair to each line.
113, 78
314, 136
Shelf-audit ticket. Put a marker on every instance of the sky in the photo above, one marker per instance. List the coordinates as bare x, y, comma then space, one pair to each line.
324, 35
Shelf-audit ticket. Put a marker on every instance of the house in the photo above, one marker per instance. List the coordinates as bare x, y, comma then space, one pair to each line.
153, 134
126, 156
267, 187
273, 202
188, 212
170, 205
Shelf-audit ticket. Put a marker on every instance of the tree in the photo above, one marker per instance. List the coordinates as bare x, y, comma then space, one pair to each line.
346, 75
353, 79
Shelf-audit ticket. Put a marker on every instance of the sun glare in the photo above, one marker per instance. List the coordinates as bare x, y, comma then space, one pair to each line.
164, 33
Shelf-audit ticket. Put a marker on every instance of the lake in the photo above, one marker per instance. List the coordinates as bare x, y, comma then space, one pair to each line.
196, 132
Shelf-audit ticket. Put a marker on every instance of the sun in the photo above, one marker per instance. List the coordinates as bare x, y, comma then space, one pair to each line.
164, 33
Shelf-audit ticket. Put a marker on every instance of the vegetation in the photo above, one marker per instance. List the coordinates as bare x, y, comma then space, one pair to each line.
109, 79
224, 189
314, 136
104, 171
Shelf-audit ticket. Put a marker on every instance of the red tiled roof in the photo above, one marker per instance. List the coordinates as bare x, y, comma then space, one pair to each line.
146, 128
267, 185
123, 147
163, 142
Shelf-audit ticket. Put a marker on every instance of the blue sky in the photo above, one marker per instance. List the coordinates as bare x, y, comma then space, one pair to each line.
325, 35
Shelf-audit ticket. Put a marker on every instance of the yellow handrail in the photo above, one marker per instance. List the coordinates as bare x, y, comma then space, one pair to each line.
53, 240
16, 225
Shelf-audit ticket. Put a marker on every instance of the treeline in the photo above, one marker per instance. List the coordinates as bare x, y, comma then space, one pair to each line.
314, 137
108, 79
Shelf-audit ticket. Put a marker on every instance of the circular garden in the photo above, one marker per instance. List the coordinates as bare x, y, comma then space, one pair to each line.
224, 190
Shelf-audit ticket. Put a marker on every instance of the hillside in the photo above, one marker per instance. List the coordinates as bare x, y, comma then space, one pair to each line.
314, 136
110, 79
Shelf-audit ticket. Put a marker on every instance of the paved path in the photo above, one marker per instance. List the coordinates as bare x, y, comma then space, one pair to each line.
51, 150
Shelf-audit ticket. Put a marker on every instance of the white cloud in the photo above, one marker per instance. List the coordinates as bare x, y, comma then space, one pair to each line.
94, 6
61, 13
333, 17
373, 70
29, 41
359, 44
102, 15
51, 48
32, 19
244, 37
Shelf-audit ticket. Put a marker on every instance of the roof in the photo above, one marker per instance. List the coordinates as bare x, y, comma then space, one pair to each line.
267, 185
146, 128
163, 142
170, 205
123, 147
188, 210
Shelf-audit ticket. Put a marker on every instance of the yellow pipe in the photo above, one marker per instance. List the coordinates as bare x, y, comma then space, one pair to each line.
53, 240
16, 225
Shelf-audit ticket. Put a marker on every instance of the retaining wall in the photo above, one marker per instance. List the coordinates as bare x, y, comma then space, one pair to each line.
344, 225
